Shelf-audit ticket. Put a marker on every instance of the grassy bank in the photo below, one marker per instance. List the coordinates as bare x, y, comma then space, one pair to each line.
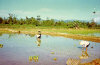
52, 30
60, 29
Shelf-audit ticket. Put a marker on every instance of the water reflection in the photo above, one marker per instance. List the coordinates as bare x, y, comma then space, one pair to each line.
31, 35
38, 42
1, 45
24, 52
30, 58
84, 55
34, 58
94, 34
11, 35
72, 61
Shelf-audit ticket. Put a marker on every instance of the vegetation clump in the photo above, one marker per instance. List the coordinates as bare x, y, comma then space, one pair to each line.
12, 20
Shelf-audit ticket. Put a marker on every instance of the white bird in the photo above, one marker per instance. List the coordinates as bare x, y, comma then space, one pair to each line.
38, 36
85, 44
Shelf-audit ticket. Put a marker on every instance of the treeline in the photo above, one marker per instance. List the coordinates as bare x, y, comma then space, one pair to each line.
38, 22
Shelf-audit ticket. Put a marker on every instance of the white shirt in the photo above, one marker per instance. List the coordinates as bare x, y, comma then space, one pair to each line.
38, 36
84, 43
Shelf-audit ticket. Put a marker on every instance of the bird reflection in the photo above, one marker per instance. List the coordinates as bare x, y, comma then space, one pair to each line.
38, 42
84, 55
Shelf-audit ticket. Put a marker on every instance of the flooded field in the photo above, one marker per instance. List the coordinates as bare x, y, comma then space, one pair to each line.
95, 34
92, 34
24, 49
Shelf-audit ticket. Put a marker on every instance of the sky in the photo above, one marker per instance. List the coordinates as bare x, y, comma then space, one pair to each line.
52, 9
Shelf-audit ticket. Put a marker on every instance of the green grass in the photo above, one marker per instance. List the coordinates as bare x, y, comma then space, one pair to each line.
83, 31
55, 29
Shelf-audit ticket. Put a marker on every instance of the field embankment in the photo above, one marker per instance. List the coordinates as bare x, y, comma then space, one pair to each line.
54, 30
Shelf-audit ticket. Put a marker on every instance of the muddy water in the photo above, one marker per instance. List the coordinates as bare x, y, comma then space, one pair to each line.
22, 49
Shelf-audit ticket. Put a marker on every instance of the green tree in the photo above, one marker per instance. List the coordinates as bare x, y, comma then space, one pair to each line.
1, 20
26, 20
48, 22
14, 20
10, 19
21, 22
60, 23
38, 18
34, 21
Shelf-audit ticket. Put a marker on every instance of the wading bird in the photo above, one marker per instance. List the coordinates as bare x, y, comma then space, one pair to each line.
85, 44
39, 34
